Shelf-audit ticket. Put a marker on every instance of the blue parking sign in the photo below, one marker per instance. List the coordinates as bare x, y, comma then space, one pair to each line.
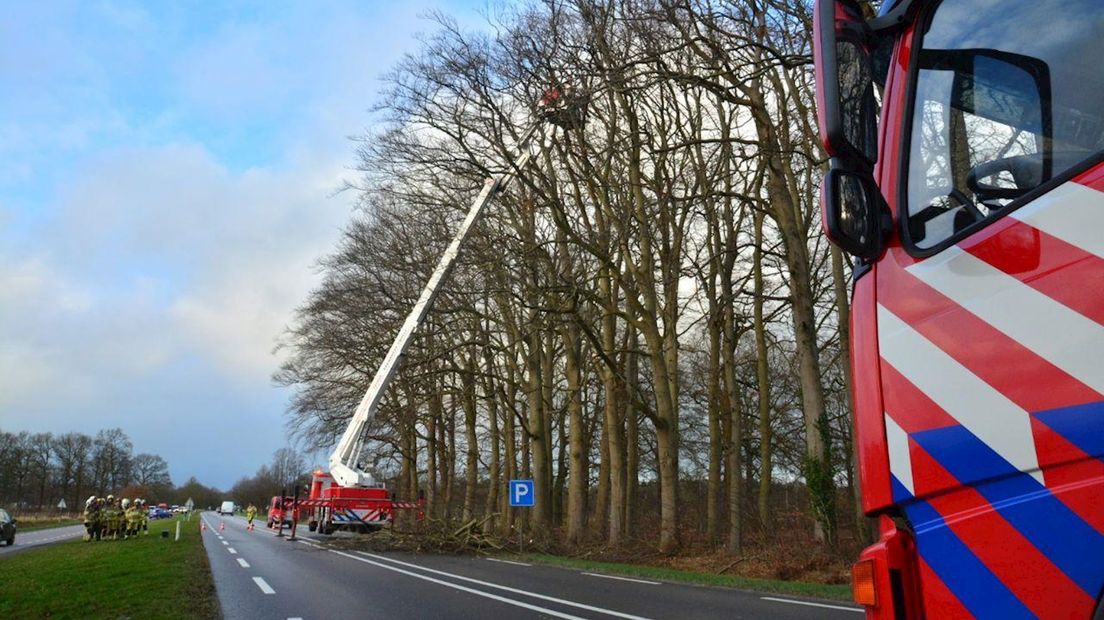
521, 493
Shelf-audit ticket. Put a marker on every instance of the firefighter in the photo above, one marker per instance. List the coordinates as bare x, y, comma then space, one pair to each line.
124, 518
143, 517
112, 515
131, 518
250, 514
90, 517
98, 518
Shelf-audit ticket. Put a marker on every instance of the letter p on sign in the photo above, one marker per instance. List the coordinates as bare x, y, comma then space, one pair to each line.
521, 493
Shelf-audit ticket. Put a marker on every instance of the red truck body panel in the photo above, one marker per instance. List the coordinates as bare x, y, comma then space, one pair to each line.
978, 393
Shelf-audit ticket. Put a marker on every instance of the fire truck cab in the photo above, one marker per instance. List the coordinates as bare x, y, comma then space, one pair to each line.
966, 180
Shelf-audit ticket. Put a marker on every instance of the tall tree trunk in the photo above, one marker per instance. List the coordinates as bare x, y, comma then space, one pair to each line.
494, 468
713, 491
537, 432
632, 436
471, 466
578, 470
509, 437
432, 503
614, 416
762, 375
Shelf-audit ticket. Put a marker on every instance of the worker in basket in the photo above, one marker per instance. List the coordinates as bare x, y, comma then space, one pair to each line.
250, 514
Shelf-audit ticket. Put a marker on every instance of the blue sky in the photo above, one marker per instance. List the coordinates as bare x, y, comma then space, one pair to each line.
167, 182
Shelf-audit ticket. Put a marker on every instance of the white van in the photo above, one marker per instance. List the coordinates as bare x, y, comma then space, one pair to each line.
227, 508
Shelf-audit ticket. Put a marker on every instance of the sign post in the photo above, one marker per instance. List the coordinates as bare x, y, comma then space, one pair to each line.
522, 496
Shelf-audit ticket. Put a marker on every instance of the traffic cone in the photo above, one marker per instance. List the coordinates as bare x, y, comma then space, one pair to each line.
202, 525
222, 526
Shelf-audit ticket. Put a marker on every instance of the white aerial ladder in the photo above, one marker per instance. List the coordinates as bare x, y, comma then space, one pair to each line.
560, 107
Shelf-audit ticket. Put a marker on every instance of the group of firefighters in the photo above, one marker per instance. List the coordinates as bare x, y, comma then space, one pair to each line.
114, 518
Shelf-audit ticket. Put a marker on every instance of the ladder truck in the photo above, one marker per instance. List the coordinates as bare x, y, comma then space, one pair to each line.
348, 497
966, 180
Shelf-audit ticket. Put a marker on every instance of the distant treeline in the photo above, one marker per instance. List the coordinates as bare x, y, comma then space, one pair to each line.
287, 469
37, 470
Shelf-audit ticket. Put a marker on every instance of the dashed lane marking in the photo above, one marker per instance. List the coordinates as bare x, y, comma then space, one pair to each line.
263, 585
810, 604
488, 584
651, 583
243, 563
226, 543
508, 562
232, 550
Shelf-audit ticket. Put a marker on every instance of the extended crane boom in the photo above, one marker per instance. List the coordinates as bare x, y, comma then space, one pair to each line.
558, 106
343, 467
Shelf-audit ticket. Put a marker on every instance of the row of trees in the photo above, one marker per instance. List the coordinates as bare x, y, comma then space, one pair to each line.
287, 469
37, 470
648, 322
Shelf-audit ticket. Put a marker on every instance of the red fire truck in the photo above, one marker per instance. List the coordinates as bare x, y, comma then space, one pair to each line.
967, 181
333, 507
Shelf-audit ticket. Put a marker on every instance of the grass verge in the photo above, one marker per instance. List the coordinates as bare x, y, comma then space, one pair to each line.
30, 525
147, 577
796, 588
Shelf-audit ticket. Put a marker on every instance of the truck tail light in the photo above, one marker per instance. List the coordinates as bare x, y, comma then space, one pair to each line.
863, 588
885, 580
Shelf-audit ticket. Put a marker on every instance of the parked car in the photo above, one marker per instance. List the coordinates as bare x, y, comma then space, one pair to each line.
159, 513
227, 508
7, 528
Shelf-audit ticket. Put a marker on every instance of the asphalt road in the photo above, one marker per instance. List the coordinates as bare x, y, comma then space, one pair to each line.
258, 575
29, 540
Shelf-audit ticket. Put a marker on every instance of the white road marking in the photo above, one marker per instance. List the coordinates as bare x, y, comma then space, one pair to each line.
654, 583
263, 585
295, 618
456, 586
232, 550
508, 589
243, 563
507, 562
811, 604
225, 543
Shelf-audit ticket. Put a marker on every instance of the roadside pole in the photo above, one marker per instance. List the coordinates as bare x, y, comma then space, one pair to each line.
177, 530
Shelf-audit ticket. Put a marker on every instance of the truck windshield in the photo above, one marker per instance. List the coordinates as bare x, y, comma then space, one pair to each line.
1007, 97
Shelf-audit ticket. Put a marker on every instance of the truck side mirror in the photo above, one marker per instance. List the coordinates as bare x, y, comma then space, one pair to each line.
853, 212
847, 109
